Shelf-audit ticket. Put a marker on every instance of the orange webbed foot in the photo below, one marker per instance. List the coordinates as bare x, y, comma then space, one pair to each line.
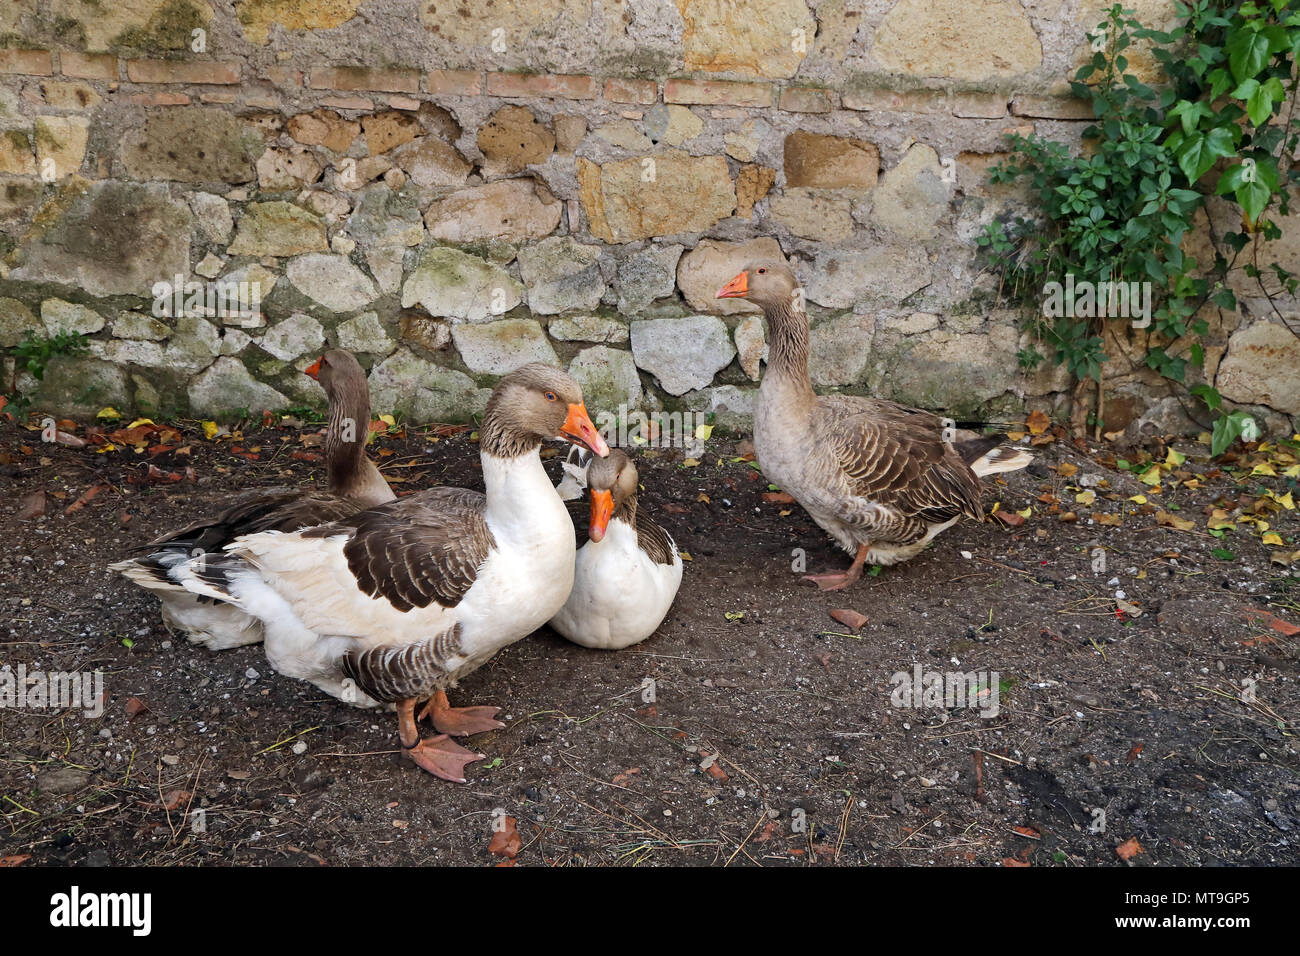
459, 721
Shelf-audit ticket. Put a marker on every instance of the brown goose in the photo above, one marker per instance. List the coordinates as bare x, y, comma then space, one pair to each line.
353, 483
628, 571
882, 478
397, 603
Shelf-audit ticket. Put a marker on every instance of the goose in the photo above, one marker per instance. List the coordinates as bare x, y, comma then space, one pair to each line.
883, 479
352, 481
396, 603
627, 573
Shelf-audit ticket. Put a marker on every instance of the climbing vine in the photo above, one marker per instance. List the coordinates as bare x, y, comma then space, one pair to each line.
1222, 125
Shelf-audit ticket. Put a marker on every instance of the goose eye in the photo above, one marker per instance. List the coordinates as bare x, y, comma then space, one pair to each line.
762, 271
550, 396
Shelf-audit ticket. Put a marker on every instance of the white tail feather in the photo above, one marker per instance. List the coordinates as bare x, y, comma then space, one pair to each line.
1000, 459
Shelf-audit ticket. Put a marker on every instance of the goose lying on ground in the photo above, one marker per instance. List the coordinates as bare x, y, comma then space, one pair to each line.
627, 573
397, 603
353, 483
882, 478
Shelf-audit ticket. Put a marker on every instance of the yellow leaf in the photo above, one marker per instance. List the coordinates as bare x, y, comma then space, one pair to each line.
1037, 422
1015, 436
685, 555
1219, 521
690, 463
1151, 476
210, 430
703, 432
1171, 521
1286, 501
1113, 521
1174, 458
140, 421
1139, 499
1292, 472
1086, 497
1067, 470
108, 412
1026, 513
105, 447
1272, 538
703, 498
1263, 469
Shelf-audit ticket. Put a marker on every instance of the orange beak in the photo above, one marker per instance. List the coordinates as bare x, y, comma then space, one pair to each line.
737, 288
578, 429
314, 368
602, 507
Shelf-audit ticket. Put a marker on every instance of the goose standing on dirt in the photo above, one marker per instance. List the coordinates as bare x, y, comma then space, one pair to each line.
397, 603
627, 573
879, 476
353, 483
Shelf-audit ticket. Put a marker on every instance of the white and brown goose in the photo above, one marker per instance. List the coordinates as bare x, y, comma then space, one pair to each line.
627, 573
878, 476
395, 604
352, 484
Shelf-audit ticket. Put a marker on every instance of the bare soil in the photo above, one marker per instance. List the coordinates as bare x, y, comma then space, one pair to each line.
771, 738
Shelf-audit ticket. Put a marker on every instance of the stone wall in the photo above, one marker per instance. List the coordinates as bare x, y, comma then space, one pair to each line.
452, 189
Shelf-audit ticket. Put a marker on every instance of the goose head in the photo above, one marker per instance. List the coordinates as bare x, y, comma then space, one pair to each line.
534, 403
612, 482
767, 283
340, 374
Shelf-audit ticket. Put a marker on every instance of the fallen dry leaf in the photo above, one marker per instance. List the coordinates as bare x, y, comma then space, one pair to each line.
1128, 849
15, 860
849, 617
31, 506
506, 842
86, 495
1012, 861
1256, 615
778, 497
135, 706
1171, 521
172, 800
1037, 422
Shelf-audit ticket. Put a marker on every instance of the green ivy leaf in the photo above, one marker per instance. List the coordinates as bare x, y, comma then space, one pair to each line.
1199, 152
1248, 53
1253, 198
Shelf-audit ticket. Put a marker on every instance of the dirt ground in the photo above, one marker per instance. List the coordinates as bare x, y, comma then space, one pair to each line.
771, 738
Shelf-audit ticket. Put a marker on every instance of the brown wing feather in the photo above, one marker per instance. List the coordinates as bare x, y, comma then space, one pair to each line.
896, 456
654, 541
392, 673
418, 550
275, 510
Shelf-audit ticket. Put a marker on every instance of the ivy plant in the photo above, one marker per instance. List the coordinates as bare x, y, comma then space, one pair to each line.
1220, 125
